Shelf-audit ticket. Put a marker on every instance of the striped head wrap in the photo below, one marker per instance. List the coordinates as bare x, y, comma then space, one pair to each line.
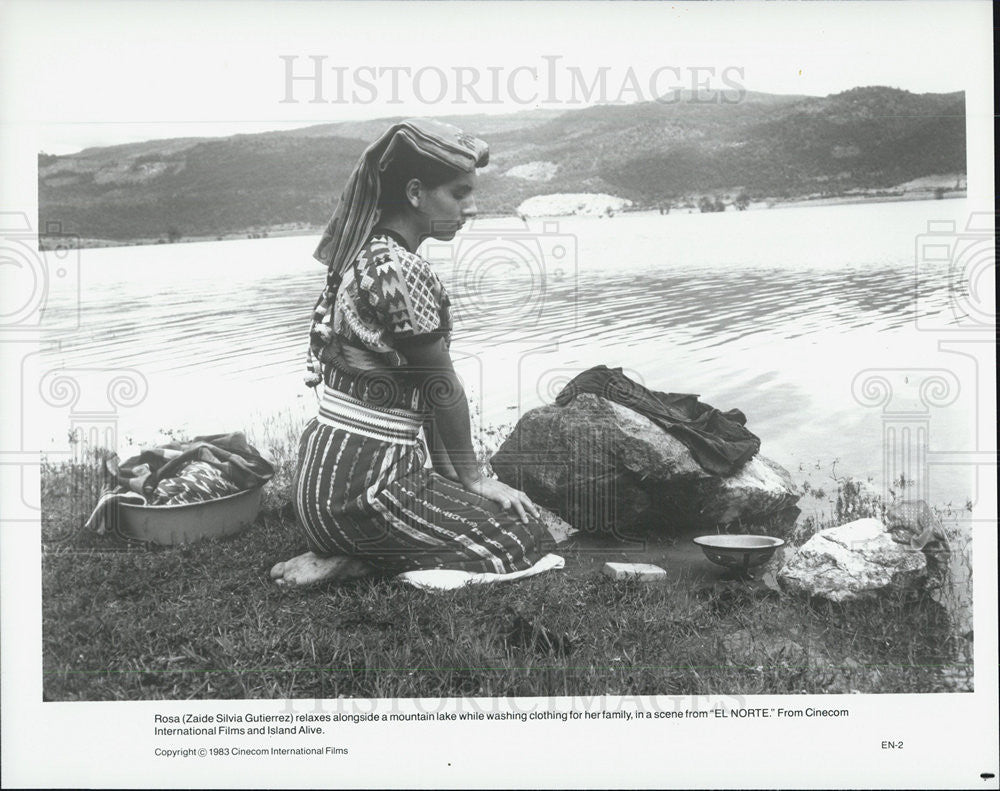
357, 213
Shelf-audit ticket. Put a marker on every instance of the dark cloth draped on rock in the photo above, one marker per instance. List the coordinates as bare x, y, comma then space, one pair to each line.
718, 441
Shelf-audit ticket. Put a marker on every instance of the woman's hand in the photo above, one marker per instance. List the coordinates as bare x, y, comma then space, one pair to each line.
507, 496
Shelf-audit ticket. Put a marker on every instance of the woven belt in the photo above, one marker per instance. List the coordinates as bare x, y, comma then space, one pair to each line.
339, 410
360, 359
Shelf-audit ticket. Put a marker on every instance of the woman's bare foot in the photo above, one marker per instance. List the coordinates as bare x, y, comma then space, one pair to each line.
310, 568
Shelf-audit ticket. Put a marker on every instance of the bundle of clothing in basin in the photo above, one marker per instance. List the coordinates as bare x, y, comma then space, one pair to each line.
205, 468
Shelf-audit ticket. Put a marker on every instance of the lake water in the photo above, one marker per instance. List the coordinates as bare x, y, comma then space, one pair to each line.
772, 311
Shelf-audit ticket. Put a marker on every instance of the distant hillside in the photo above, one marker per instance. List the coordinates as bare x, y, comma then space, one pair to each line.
770, 147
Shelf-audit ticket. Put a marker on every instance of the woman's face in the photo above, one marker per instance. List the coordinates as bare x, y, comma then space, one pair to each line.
446, 208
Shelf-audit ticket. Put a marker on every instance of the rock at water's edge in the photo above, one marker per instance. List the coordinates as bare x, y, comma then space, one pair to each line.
606, 468
858, 560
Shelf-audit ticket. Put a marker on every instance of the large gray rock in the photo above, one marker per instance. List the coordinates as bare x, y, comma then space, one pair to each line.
855, 561
605, 468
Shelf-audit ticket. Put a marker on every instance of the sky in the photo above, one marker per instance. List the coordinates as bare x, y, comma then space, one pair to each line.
102, 73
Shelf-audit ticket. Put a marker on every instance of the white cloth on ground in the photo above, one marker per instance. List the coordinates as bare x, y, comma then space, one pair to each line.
450, 579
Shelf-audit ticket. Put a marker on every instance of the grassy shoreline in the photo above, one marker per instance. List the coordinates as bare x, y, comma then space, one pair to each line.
123, 621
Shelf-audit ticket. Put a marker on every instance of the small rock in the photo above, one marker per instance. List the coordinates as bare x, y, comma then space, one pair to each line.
559, 528
768, 573
913, 524
639, 571
858, 560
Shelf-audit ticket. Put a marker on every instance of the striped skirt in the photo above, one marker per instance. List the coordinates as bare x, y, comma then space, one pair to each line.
361, 490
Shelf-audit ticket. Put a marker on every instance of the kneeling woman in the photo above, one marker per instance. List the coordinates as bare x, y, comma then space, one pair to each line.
379, 348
